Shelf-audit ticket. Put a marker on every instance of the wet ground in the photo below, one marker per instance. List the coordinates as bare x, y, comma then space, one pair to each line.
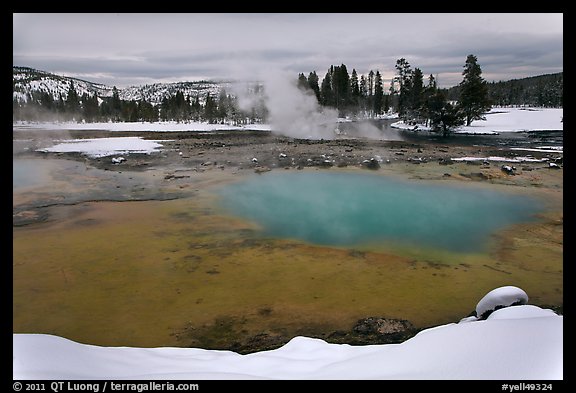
139, 254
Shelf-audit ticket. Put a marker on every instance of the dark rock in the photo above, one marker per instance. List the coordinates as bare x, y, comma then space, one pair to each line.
509, 170
445, 161
374, 325
326, 164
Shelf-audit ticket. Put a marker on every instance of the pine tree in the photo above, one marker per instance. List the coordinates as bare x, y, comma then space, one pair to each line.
474, 100
363, 87
386, 105
378, 93
313, 83
370, 82
147, 111
429, 92
354, 89
341, 88
210, 109
303, 82
196, 108
129, 111
326, 92
89, 107
115, 104
60, 105
416, 93
370, 93
404, 80
223, 106
180, 107
72, 102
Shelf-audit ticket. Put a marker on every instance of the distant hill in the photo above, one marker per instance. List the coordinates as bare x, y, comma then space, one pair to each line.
28, 81
542, 90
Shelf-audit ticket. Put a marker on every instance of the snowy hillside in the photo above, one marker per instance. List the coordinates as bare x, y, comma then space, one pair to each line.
158, 91
514, 341
27, 80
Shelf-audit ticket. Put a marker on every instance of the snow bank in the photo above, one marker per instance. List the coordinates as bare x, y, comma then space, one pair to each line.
102, 147
520, 342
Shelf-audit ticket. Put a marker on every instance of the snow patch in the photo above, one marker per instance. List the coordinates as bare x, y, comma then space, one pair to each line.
102, 147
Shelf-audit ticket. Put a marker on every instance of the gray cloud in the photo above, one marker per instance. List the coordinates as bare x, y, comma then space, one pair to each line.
126, 49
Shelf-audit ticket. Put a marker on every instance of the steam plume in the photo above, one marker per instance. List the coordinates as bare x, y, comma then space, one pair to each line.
296, 113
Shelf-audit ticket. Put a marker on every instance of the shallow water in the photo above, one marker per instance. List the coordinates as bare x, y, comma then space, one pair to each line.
30, 172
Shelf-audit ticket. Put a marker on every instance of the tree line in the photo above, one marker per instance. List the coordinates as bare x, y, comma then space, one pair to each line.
41, 106
540, 91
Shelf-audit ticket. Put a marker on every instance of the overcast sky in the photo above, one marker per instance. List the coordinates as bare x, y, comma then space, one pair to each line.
136, 49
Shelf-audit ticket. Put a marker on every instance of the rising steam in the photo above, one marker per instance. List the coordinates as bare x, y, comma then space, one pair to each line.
296, 113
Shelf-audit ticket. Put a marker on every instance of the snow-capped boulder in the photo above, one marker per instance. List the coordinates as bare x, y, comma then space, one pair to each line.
510, 170
499, 298
118, 160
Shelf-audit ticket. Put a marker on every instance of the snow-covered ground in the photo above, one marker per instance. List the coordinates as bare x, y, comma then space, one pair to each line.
497, 120
165, 126
517, 342
507, 120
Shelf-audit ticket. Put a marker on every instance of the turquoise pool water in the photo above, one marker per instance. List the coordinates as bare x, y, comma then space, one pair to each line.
351, 209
